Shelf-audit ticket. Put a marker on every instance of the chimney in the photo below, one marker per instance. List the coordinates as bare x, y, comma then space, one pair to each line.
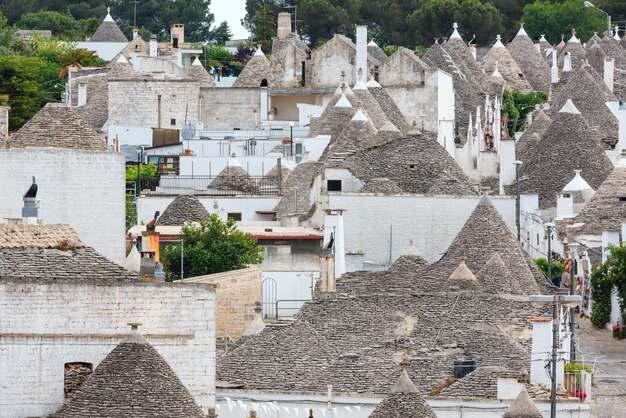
82, 95
283, 30
135, 33
554, 71
609, 71
177, 30
564, 206
472, 49
540, 351
154, 46
4, 121
567, 62
608, 238
30, 211
327, 270
361, 53
333, 224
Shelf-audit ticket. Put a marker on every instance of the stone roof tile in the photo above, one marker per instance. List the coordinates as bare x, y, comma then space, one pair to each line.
182, 209
133, 380
530, 61
58, 126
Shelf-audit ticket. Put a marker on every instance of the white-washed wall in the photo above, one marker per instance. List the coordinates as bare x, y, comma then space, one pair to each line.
44, 326
431, 222
82, 189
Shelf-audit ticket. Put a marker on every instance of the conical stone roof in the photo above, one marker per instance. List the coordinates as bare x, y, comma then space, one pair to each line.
108, 31
413, 162
334, 118
257, 69
58, 126
461, 279
135, 381
595, 58
606, 211
234, 177
589, 97
530, 61
358, 134
531, 135
404, 401
409, 260
381, 185
484, 234
568, 144
389, 106
183, 208
374, 50
500, 58
577, 52
197, 72
365, 99
523, 407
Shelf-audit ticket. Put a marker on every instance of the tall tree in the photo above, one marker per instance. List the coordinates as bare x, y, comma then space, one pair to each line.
264, 26
221, 34
434, 18
556, 19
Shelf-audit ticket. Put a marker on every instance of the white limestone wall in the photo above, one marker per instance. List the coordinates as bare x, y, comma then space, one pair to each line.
228, 108
445, 110
44, 326
105, 50
381, 226
82, 189
247, 206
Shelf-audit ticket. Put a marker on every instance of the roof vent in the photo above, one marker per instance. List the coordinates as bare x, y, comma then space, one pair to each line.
30, 209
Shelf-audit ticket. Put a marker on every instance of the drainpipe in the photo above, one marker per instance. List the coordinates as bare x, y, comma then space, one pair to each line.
158, 110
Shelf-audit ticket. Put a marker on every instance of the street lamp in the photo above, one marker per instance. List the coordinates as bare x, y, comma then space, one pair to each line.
518, 165
573, 253
291, 136
549, 228
555, 301
608, 16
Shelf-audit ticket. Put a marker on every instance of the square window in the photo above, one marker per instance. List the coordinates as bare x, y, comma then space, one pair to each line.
236, 216
333, 185
173, 122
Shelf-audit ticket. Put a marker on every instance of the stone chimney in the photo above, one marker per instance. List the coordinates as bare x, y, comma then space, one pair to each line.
30, 211
327, 271
540, 351
154, 46
4, 121
361, 53
554, 71
177, 31
333, 225
82, 95
284, 26
609, 71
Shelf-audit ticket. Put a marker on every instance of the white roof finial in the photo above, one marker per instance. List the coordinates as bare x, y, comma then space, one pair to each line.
455, 32
498, 43
108, 18
521, 31
616, 33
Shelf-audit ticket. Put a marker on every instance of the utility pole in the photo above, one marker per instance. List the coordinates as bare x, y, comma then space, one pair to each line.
135, 14
555, 331
572, 291
518, 164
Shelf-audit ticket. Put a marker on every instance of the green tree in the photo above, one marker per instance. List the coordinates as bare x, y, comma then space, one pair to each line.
556, 19
321, 19
434, 18
79, 58
263, 26
212, 246
516, 106
20, 79
217, 56
221, 34
62, 25
556, 267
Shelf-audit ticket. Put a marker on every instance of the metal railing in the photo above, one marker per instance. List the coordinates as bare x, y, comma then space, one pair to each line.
219, 185
271, 131
291, 310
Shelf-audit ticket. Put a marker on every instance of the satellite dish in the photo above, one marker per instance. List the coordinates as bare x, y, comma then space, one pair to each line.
188, 131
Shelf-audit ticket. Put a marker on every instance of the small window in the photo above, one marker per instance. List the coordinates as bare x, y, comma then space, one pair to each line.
173, 122
566, 195
235, 216
622, 198
75, 375
537, 239
412, 166
333, 185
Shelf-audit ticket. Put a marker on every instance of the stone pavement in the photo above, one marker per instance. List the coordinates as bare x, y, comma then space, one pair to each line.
598, 347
